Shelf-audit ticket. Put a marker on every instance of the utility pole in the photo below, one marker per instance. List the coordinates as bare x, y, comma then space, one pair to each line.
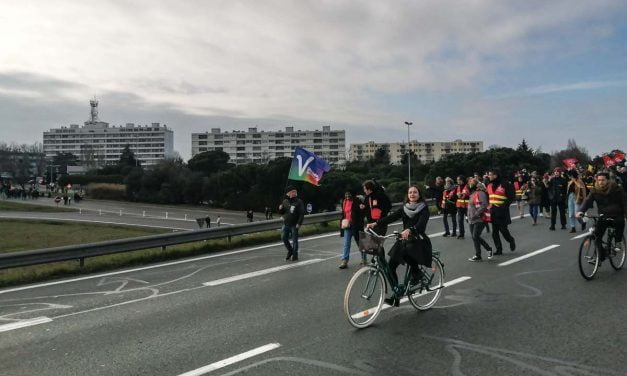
408, 123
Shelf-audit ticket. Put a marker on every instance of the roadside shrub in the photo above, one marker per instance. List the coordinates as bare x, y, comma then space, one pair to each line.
105, 191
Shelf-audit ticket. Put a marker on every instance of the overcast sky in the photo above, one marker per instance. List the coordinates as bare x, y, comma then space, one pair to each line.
497, 71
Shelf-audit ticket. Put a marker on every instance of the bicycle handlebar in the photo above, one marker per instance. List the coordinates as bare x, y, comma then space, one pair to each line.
370, 231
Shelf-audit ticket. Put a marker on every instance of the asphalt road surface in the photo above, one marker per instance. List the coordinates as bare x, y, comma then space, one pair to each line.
248, 312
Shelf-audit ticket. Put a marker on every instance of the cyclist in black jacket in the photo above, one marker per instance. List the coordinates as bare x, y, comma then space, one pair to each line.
611, 202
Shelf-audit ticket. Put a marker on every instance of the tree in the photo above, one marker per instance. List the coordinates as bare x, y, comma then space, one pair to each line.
381, 157
127, 158
62, 160
523, 147
572, 151
210, 162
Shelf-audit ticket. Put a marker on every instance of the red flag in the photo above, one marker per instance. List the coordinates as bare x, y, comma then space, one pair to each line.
618, 156
608, 162
570, 163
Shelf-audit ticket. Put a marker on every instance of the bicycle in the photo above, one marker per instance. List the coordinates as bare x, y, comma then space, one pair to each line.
366, 290
589, 256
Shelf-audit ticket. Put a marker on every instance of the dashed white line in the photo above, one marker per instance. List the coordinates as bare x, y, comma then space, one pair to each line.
580, 236
523, 257
234, 359
24, 323
257, 273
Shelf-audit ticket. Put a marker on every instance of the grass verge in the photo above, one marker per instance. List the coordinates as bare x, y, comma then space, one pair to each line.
21, 206
36, 273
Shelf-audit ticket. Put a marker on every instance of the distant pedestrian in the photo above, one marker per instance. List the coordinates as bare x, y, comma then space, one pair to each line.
208, 221
462, 192
500, 196
218, 221
557, 198
267, 212
293, 211
449, 206
520, 187
249, 215
576, 194
534, 194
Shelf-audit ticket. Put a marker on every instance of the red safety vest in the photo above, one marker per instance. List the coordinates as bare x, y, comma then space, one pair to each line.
496, 197
445, 196
475, 201
462, 196
520, 189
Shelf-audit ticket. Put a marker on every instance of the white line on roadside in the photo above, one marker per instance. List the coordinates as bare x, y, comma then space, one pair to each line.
512, 261
160, 265
366, 312
580, 236
436, 234
24, 323
232, 360
222, 281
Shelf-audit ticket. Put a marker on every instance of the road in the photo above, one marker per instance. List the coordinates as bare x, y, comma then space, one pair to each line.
249, 312
175, 217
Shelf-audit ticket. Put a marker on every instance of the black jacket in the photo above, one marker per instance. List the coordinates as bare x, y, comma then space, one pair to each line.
418, 248
293, 211
557, 189
500, 214
379, 200
612, 204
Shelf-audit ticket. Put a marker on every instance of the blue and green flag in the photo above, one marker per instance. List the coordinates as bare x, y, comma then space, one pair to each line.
306, 166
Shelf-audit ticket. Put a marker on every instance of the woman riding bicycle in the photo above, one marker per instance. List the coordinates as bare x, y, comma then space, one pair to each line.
415, 249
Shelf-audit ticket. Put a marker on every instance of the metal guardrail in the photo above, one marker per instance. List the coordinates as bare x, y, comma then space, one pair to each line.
82, 251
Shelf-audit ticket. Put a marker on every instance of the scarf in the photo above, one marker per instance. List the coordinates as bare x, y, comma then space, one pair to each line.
411, 209
609, 187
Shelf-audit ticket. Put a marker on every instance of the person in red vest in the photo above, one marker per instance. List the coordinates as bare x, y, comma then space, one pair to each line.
500, 196
449, 207
462, 192
520, 187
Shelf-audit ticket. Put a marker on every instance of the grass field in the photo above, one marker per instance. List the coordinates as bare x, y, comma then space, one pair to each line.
21, 206
27, 235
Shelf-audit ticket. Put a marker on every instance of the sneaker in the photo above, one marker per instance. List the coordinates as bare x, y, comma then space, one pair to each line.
289, 256
498, 252
572, 230
475, 258
295, 258
490, 253
454, 234
552, 228
343, 264
512, 245
446, 234
460, 237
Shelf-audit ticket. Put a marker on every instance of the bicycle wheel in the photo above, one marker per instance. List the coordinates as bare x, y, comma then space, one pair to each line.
364, 296
588, 258
617, 255
424, 298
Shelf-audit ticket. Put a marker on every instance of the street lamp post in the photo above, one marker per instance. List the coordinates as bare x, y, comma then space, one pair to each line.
408, 123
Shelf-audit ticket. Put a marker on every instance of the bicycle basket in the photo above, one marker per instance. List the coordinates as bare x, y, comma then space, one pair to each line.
369, 244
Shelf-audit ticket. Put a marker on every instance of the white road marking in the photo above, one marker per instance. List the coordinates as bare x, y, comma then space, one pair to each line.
385, 306
24, 323
232, 360
580, 236
222, 281
512, 261
160, 265
436, 234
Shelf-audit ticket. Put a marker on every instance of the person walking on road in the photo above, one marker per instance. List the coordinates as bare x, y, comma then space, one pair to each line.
462, 192
293, 211
576, 194
500, 196
557, 198
534, 194
449, 207
520, 187
478, 217
351, 223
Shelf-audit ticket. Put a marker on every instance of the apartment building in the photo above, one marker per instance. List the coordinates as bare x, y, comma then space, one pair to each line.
254, 146
97, 144
425, 151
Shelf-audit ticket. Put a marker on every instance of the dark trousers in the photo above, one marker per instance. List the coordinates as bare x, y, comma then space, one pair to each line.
500, 228
561, 205
453, 219
476, 229
601, 226
461, 213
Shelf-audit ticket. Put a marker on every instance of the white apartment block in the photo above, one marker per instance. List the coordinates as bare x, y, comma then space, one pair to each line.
425, 151
97, 144
256, 146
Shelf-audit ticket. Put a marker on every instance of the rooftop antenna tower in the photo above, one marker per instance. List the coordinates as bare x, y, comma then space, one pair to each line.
94, 110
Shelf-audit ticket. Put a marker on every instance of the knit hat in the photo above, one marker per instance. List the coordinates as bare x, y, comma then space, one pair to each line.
290, 188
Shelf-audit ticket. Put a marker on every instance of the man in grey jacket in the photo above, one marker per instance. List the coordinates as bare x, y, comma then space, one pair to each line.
293, 211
